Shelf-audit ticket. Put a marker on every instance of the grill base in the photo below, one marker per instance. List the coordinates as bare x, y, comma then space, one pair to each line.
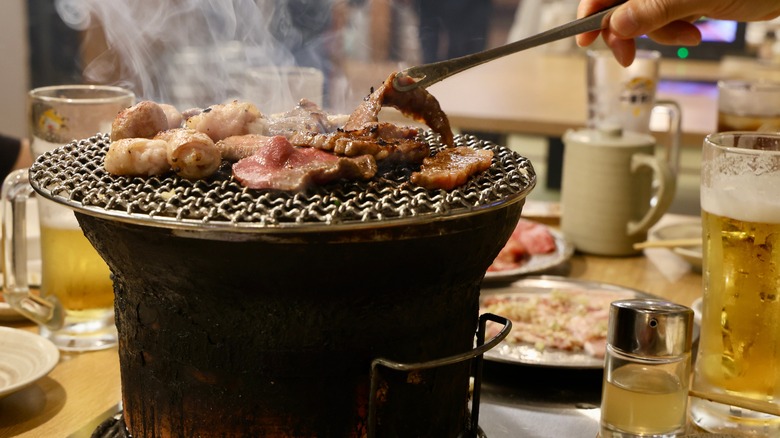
115, 427
260, 338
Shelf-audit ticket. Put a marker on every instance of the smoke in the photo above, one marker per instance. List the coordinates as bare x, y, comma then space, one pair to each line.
198, 52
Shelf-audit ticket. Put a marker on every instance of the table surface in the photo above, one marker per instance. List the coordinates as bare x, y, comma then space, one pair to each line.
84, 386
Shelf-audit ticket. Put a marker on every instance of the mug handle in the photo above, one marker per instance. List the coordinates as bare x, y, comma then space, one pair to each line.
46, 311
674, 113
666, 186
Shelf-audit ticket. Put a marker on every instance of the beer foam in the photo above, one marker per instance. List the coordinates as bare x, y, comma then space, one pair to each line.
745, 197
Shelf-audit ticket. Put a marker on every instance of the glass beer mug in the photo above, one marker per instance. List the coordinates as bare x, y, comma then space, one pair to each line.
739, 353
75, 306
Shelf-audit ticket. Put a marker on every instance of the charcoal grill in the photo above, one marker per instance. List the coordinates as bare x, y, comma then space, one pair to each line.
259, 313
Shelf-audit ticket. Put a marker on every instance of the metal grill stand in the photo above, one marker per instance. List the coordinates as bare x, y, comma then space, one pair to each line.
476, 354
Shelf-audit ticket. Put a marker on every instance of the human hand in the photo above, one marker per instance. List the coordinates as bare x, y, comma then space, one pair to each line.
666, 21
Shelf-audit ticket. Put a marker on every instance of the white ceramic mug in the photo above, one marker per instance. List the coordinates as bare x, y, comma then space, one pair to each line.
614, 189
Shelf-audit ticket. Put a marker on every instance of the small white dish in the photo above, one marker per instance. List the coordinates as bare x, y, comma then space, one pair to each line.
696, 306
24, 358
683, 230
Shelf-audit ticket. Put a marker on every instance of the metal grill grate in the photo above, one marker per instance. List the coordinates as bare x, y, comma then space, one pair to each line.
74, 175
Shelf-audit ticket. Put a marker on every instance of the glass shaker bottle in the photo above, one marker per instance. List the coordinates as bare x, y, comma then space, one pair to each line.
646, 369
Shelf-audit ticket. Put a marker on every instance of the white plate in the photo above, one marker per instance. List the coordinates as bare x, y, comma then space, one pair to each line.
684, 230
538, 263
24, 358
527, 354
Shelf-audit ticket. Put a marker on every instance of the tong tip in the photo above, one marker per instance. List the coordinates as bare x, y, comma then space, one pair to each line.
403, 81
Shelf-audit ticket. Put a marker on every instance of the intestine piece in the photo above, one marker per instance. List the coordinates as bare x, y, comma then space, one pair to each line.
142, 120
191, 154
137, 157
225, 120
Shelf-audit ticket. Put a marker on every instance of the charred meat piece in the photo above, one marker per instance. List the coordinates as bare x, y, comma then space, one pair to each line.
279, 165
225, 120
137, 157
416, 103
191, 154
451, 167
386, 142
142, 120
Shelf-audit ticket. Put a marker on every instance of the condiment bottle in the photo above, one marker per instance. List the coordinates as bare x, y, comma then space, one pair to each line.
646, 369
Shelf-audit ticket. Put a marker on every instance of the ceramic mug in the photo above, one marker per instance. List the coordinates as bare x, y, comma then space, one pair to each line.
614, 189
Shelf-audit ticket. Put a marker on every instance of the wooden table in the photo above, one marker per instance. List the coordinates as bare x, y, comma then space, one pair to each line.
83, 386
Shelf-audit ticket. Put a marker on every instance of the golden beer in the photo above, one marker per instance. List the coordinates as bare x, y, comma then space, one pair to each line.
740, 344
73, 271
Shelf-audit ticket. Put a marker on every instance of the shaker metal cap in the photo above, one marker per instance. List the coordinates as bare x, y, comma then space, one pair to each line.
650, 327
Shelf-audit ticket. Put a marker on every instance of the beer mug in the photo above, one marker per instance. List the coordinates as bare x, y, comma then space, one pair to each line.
75, 305
624, 97
613, 190
748, 105
279, 89
740, 329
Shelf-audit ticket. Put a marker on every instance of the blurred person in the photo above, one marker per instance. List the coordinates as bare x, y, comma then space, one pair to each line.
14, 154
453, 28
666, 21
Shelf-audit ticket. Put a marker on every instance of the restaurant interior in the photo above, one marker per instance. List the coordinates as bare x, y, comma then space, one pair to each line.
527, 108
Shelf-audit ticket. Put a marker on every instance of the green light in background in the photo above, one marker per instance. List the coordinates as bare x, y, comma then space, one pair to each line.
682, 52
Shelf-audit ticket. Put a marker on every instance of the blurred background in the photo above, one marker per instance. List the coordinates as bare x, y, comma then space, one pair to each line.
186, 52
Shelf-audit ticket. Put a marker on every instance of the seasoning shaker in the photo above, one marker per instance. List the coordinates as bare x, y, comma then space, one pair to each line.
646, 369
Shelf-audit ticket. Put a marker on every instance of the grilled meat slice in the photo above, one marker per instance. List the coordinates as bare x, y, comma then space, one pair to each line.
451, 167
417, 103
280, 165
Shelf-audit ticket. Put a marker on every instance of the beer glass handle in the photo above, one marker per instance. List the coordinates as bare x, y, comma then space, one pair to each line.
674, 112
666, 187
16, 290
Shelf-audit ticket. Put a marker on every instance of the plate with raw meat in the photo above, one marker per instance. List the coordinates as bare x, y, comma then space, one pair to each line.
531, 249
556, 321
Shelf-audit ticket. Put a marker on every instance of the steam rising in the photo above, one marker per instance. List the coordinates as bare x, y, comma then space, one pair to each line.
197, 52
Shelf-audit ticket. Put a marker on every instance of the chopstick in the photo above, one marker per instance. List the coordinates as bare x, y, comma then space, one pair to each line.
740, 402
670, 243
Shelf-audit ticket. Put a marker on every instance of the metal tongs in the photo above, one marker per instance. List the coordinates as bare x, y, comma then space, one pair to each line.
428, 74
